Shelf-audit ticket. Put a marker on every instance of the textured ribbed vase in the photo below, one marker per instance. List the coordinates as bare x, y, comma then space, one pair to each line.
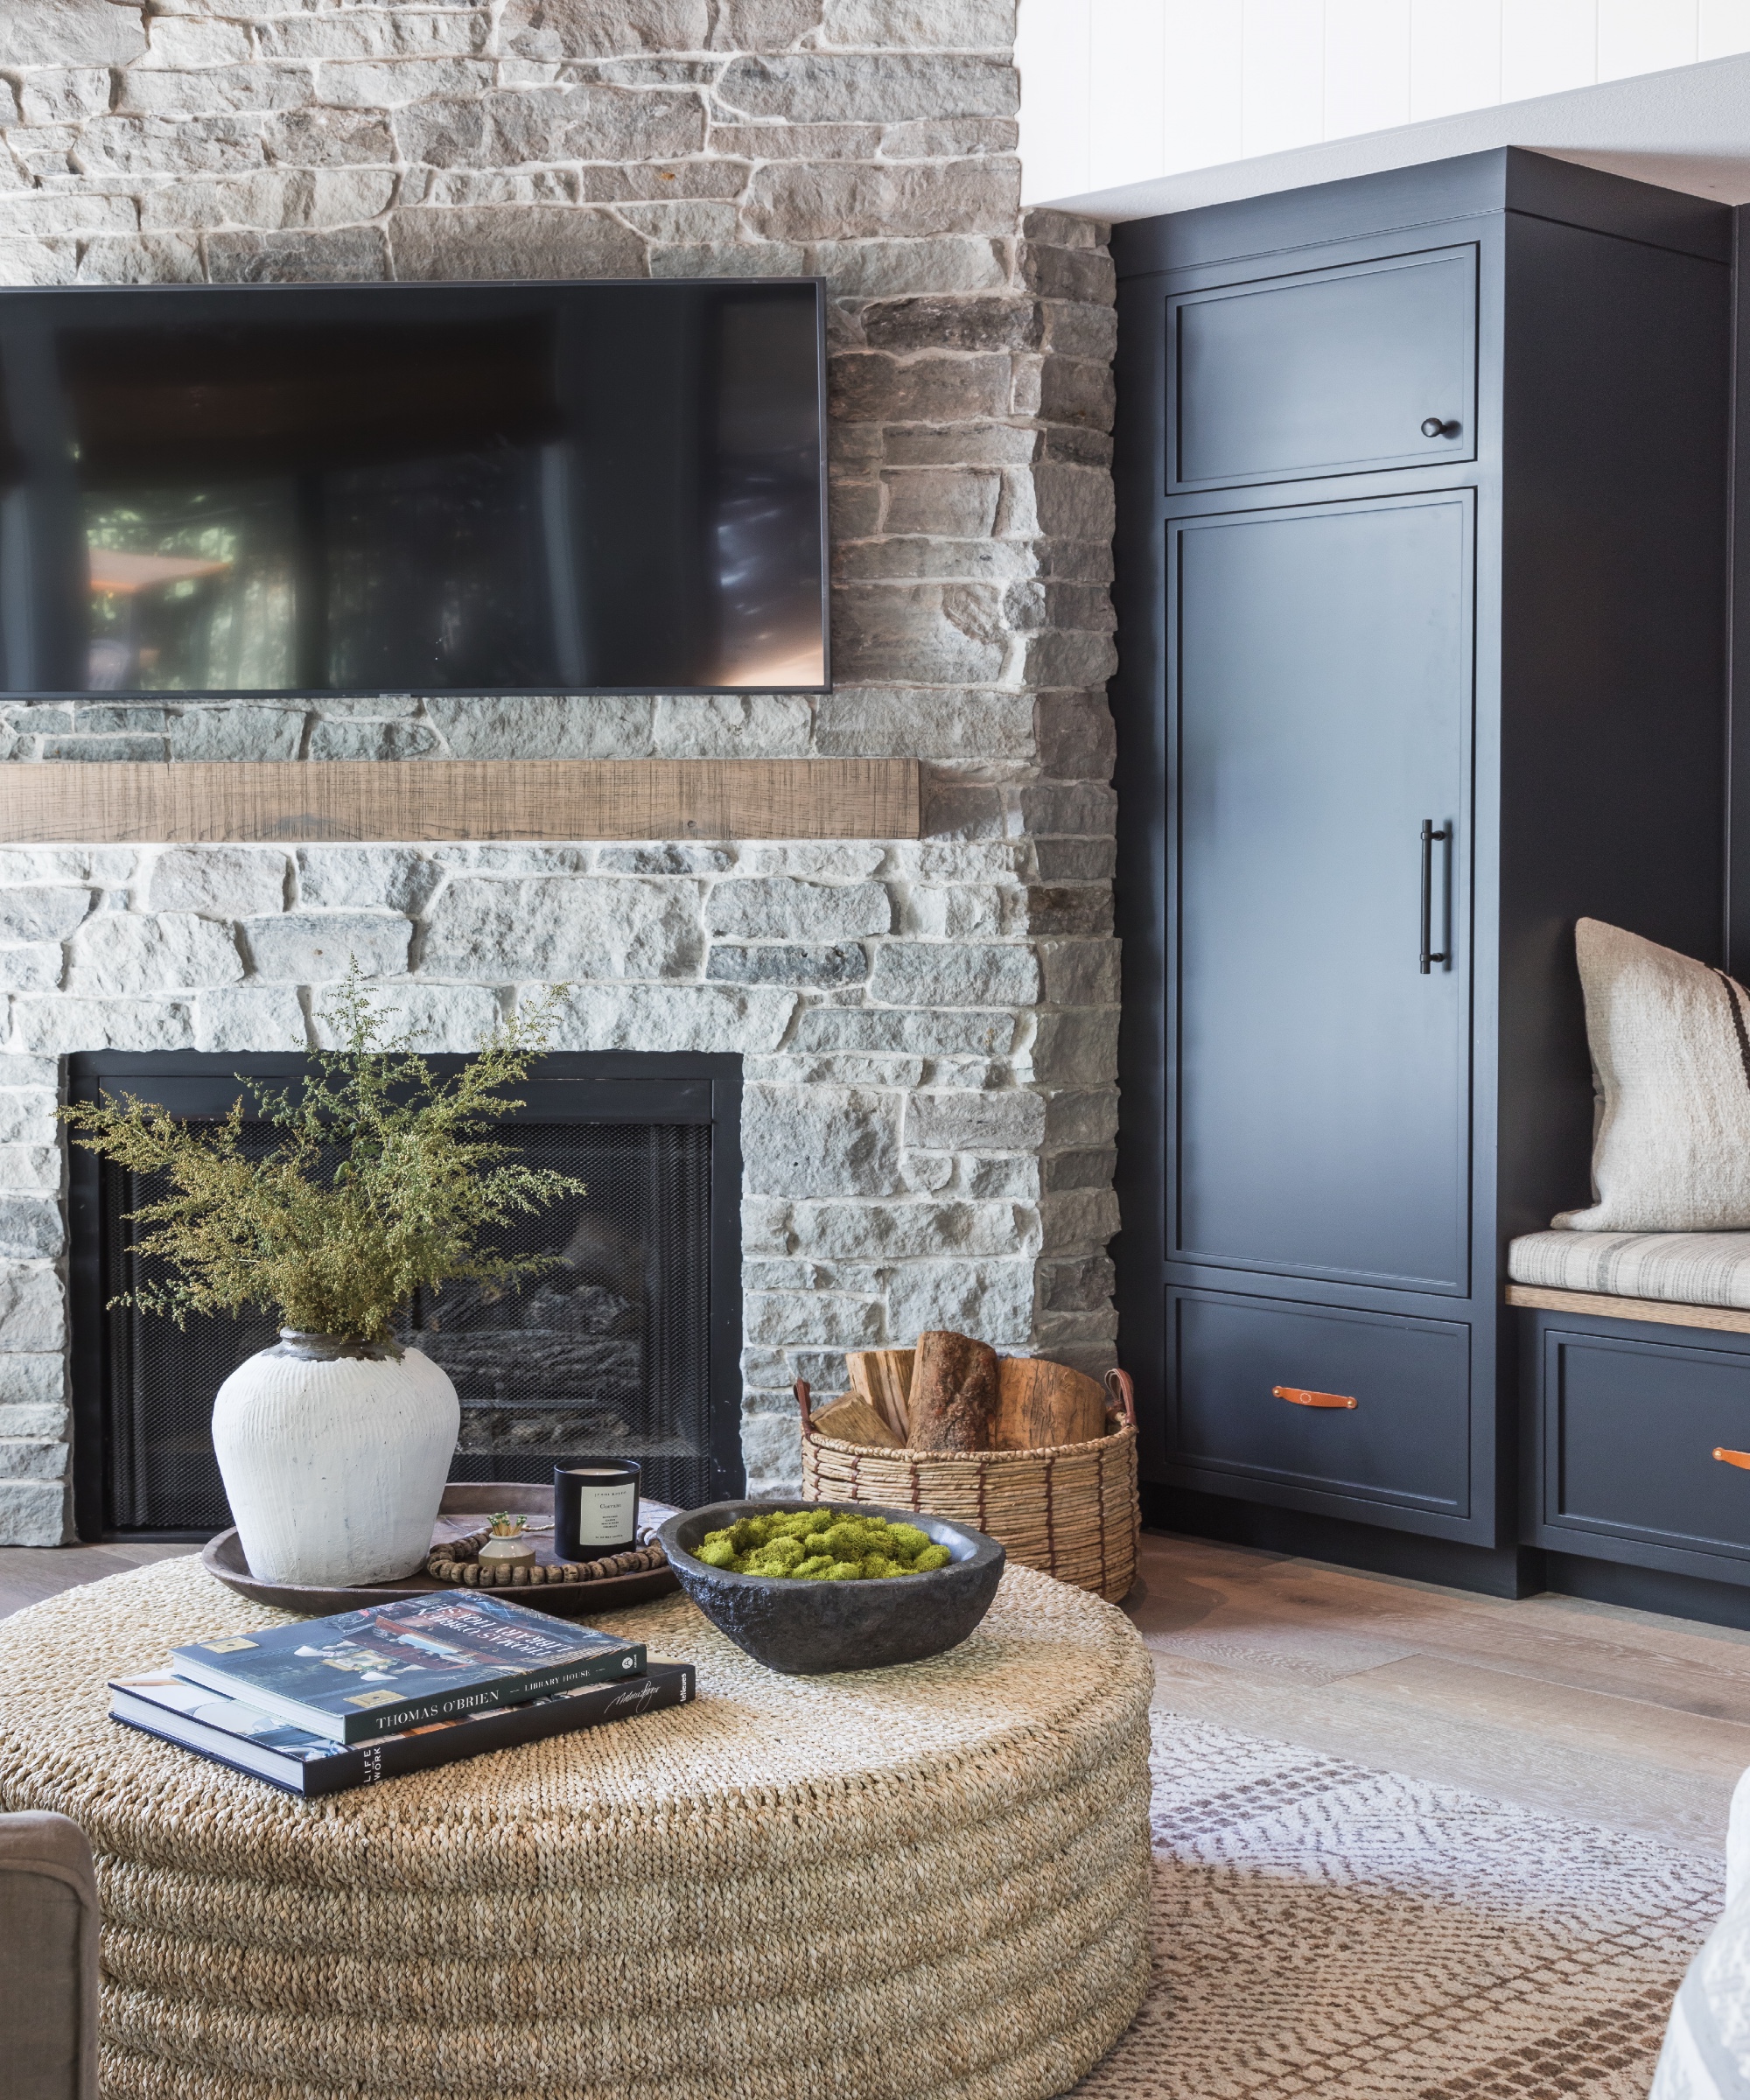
334, 1455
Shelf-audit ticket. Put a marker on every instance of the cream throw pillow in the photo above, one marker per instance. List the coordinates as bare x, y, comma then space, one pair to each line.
1670, 1055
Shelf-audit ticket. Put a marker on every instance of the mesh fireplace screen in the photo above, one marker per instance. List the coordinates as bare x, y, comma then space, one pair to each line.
607, 1354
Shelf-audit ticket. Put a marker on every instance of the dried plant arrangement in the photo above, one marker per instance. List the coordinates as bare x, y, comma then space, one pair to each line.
385, 1181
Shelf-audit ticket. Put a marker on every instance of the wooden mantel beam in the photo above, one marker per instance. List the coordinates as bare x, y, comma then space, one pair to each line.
361, 800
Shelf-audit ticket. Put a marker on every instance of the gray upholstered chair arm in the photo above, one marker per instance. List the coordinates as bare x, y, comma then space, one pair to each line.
48, 1979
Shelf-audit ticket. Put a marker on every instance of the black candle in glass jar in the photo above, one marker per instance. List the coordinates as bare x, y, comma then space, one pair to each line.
595, 1509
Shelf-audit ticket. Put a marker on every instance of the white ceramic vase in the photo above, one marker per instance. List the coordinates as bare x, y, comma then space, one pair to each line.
334, 1455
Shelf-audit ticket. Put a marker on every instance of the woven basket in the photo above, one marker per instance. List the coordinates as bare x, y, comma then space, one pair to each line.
1069, 1509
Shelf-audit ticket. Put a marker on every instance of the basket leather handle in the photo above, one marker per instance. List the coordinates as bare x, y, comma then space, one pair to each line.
1123, 1389
801, 1389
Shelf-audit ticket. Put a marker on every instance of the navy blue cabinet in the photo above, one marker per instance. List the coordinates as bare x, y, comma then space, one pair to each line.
1421, 593
1318, 700
1642, 1451
1384, 1418
1324, 372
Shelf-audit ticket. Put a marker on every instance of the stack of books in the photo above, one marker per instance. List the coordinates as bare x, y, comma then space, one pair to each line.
343, 1702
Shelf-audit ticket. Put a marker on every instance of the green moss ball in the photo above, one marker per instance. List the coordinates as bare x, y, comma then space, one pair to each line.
822, 1545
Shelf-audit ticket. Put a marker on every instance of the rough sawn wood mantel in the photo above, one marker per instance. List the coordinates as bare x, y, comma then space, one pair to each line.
363, 801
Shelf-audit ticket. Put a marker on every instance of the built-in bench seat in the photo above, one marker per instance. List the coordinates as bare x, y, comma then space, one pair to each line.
1692, 1279
1635, 1370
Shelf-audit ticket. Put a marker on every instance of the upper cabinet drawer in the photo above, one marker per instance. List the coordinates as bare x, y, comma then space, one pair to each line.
1326, 371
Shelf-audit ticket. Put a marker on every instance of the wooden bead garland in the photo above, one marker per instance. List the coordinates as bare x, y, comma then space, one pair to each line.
458, 1560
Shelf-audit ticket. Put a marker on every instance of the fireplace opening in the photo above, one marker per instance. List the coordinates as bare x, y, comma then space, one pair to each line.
626, 1346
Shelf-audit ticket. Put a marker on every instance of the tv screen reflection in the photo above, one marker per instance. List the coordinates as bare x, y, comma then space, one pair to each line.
571, 487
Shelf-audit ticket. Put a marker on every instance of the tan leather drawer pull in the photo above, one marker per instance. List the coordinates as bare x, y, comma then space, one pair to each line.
1733, 1457
1298, 1396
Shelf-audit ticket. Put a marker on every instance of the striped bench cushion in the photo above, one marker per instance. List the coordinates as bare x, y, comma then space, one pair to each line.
1681, 1268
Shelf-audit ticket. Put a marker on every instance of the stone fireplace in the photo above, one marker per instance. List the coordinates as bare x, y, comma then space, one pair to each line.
927, 1028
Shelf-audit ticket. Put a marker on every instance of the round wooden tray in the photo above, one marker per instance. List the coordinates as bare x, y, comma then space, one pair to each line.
465, 1503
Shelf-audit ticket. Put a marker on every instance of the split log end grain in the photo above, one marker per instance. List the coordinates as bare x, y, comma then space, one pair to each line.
853, 1421
955, 1394
883, 1378
1044, 1404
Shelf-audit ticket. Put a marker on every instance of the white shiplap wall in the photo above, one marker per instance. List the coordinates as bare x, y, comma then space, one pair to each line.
1118, 91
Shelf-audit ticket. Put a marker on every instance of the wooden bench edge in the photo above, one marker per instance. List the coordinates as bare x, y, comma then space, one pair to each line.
1597, 1305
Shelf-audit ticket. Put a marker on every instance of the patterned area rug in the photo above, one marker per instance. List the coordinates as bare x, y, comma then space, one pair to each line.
1323, 1929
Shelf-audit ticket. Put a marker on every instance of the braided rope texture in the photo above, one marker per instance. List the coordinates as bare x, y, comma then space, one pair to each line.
926, 1883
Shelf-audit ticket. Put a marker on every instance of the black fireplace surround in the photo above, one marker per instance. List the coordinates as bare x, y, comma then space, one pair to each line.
629, 1347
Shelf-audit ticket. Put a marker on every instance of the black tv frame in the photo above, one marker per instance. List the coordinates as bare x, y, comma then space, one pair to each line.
254, 297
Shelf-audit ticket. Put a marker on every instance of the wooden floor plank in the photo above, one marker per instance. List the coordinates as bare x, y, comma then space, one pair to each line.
28, 1574
1710, 1687
1256, 1633
1391, 1608
1686, 1809
1624, 1718
1312, 1625
1633, 1729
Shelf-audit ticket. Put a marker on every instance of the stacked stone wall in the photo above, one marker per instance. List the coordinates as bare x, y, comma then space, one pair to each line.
929, 1028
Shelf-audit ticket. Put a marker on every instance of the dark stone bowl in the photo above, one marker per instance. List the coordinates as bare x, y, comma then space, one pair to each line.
805, 1628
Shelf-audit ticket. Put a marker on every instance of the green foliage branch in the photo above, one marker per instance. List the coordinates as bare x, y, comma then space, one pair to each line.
333, 1249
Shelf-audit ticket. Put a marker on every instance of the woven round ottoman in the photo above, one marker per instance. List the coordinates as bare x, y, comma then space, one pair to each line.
891, 1885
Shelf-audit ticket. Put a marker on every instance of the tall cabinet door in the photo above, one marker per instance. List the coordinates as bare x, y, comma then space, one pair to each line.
1321, 697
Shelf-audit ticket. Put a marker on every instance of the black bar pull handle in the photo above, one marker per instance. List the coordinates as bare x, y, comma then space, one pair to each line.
1432, 835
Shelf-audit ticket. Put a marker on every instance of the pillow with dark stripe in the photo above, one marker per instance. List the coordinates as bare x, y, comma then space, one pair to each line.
1670, 1055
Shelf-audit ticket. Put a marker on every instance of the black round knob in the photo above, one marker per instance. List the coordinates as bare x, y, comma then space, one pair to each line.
1434, 428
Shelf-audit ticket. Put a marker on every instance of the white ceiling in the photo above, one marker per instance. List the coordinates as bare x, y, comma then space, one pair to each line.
1688, 129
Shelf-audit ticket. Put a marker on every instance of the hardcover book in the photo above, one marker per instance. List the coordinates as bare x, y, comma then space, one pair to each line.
159, 1703
391, 1667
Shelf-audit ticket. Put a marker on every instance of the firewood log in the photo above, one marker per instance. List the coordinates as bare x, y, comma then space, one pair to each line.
1042, 1403
955, 1394
883, 1377
853, 1421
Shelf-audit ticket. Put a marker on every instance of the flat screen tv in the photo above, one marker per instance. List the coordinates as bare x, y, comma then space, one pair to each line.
298, 489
